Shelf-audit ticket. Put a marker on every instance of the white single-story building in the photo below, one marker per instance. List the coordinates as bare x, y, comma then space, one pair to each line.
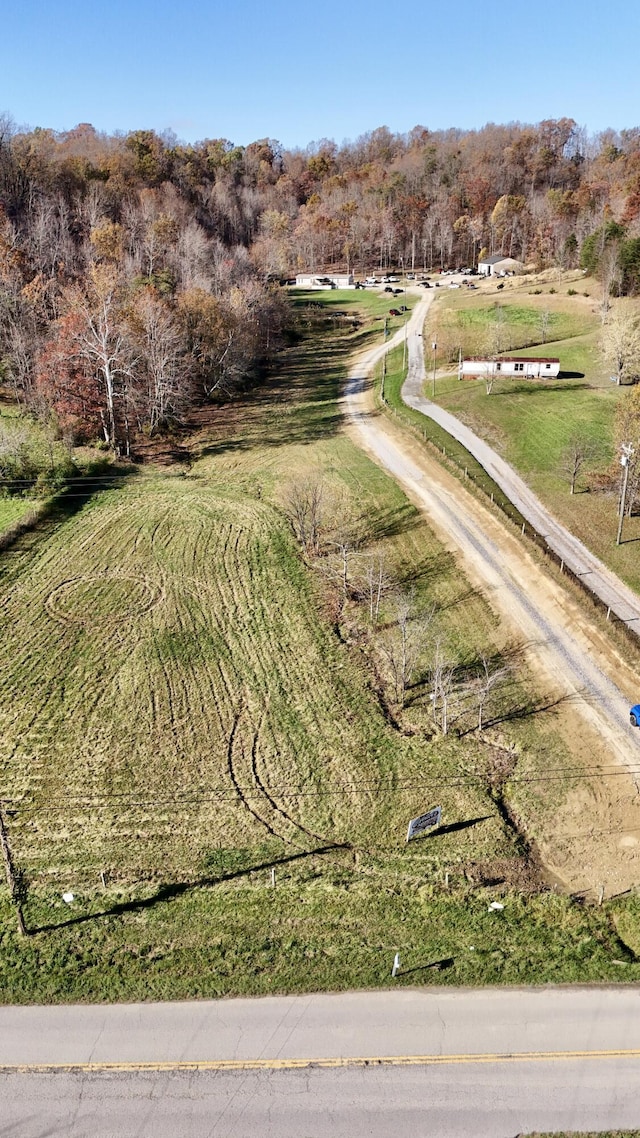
325, 280
528, 367
499, 266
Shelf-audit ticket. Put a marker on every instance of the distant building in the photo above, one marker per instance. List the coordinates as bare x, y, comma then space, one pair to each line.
325, 281
499, 266
526, 367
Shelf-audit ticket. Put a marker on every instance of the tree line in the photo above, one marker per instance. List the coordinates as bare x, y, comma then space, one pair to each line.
138, 274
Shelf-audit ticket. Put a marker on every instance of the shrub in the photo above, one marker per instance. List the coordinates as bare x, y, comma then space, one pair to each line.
552, 290
572, 292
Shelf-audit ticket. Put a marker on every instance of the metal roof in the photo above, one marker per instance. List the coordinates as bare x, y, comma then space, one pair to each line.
512, 359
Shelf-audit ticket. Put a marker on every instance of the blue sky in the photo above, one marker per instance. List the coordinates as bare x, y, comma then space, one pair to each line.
298, 72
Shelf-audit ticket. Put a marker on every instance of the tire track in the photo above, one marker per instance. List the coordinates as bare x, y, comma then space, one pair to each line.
279, 809
238, 787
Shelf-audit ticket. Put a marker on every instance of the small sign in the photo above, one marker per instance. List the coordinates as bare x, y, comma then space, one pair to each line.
424, 822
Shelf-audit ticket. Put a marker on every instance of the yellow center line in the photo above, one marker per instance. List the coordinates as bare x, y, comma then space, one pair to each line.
301, 1064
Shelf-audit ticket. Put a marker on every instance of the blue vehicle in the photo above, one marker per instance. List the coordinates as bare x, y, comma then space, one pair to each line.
634, 716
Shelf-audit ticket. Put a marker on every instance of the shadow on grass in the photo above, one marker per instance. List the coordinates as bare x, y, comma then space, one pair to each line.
527, 708
534, 387
388, 523
298, 405
61, 507
454, 827
438, 965
179, 888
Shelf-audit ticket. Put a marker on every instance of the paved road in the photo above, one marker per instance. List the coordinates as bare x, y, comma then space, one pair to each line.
481, 1101
514, 584
622, 600
490, 1062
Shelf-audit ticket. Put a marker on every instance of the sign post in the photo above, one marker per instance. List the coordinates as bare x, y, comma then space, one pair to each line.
424, 822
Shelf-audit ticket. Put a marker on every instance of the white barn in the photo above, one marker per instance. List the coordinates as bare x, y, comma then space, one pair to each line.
526, 367
499, 266
325, 280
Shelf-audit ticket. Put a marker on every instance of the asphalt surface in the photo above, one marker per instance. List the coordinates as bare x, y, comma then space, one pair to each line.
442, 1062
482, 1101
560, 649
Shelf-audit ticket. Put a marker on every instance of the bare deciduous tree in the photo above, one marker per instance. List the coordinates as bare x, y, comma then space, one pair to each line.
303, 505
578, 450
544, 325
377, 583
443, 674
160, 389
103, 346
495, 343
620, 345
405, 643
489, 679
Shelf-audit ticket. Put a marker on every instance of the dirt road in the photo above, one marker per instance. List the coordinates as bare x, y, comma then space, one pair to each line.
578, 662
623, 602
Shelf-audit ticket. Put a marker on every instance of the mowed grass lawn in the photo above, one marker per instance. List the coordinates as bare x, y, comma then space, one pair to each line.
532, 423
179, 715
12, 510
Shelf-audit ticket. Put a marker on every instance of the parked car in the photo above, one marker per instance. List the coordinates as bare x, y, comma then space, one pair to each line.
394, 312
404, 308
634, 715
397, 292
425, 284
387, 288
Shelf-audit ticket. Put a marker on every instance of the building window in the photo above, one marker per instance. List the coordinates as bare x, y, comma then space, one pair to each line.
498, 367
519, 367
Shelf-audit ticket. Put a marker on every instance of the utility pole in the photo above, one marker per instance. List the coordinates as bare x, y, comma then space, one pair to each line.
13, 878
434, 347
625, 460
404, 344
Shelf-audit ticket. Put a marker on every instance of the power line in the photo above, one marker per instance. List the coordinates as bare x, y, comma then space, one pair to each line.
108, 799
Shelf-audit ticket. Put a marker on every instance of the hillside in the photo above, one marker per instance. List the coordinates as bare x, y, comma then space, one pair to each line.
186, 704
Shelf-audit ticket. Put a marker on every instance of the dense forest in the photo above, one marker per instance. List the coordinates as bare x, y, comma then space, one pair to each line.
139, 276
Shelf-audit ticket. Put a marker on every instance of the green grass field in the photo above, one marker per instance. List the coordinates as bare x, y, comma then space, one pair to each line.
464, 321
12, 510
531, 424
184, 706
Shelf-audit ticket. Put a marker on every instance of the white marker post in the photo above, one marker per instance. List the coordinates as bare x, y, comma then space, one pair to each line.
396, 964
